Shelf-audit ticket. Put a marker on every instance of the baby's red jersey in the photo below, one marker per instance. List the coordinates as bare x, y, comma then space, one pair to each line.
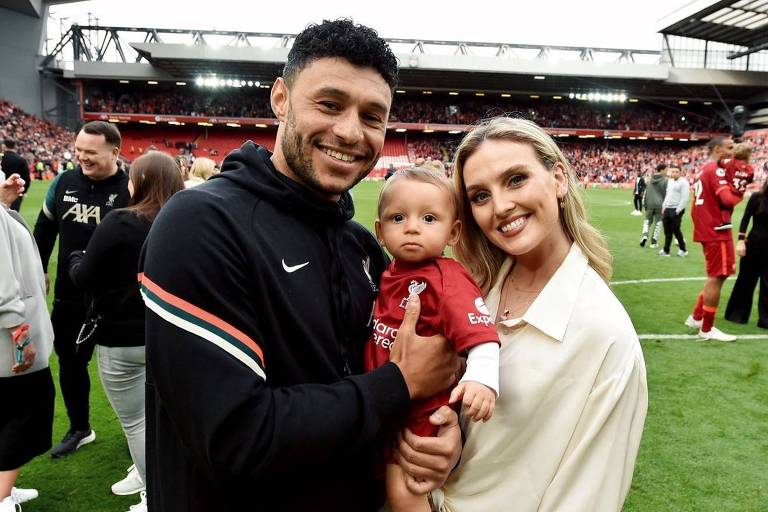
451, 305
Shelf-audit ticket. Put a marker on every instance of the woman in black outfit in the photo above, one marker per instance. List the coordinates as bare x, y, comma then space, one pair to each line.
753, 266
107, 270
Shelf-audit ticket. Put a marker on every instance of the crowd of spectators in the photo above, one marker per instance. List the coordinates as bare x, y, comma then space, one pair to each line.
546, 112
48, 147
224, 103
43, 144
560, 114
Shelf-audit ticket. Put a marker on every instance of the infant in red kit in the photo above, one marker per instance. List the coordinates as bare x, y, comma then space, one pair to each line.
739, 173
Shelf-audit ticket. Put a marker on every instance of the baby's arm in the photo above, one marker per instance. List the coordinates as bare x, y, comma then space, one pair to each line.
479, 386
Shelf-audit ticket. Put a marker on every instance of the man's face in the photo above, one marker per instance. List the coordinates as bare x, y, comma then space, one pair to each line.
725, 150
674, 173
332, 125
97, 157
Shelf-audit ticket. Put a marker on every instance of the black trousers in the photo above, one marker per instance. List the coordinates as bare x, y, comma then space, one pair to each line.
639, 202
67, 318
671, 222
753, 267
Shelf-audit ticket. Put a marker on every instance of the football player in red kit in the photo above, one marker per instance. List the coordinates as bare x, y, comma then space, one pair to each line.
712, 194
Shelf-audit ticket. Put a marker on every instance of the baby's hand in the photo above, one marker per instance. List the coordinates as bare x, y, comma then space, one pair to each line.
478, 400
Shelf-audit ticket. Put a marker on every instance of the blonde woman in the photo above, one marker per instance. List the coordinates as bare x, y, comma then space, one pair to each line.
573, 393
201, 170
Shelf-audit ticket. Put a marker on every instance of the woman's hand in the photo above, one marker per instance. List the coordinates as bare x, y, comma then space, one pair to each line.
428, 461
23, 349
28, 355
741, 248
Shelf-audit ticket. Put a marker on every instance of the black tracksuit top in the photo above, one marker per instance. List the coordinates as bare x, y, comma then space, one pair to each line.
260, 297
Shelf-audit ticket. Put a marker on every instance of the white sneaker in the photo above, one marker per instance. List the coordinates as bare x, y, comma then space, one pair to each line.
8, 505
716, 335
131, 484
682, 253
140, 506
663, 253
693, 323
20, 495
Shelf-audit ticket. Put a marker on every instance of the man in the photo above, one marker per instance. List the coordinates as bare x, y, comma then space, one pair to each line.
711, 194
13, 163
672, 211
654, 197
74, 205
638, 194
260, 290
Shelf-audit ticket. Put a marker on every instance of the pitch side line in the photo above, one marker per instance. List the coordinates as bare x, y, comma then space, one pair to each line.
696, 337
658, 280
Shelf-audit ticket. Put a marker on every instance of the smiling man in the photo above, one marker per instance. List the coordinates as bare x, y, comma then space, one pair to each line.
75, 204
260, 290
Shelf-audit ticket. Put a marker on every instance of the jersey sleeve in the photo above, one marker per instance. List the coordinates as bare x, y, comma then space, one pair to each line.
208, 367
466, 320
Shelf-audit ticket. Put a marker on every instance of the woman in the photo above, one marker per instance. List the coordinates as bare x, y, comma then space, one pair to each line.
753, 266
573, 393
201, 170
26, 341
107, 270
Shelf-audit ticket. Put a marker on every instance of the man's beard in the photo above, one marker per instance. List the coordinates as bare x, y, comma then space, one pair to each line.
298, 156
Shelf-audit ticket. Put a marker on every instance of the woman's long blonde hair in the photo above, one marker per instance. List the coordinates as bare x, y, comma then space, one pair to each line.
474, 250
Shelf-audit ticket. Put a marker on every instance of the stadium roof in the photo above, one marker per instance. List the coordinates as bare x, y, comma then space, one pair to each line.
31, 7
737, 22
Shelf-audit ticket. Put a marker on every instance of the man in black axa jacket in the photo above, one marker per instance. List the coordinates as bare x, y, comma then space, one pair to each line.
260, 289
74, 205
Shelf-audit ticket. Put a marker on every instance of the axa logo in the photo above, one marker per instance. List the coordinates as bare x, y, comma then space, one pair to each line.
83, 213
414, 288
111, 199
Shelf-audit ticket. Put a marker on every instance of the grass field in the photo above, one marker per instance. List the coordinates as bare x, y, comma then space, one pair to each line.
705, 445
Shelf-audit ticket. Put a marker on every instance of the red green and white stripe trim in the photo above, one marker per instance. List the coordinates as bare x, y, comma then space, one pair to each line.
194, 320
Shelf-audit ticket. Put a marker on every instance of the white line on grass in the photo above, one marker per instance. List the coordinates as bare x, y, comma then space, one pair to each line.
696, 337
658, 280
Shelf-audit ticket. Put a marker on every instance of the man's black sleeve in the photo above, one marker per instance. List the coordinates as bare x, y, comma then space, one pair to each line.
47, 225
749, 212
209, 372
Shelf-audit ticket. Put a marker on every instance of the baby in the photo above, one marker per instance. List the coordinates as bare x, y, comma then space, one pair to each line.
417, 219
738, 174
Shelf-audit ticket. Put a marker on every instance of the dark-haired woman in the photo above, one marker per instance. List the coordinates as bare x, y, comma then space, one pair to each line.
753, 265
107, 271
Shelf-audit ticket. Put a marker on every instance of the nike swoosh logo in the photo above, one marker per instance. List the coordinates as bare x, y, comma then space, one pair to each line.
293, 268
70, 191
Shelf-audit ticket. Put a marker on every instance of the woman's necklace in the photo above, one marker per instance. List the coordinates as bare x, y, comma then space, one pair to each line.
515, 300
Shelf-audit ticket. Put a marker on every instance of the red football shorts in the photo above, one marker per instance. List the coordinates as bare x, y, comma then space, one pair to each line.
720, 257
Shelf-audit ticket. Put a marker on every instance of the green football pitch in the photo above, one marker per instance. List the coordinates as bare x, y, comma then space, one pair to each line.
705, 445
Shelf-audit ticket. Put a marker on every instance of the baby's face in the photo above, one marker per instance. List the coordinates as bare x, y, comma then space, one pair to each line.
417, 221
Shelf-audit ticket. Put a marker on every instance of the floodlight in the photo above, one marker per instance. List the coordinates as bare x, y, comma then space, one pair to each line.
199, 81
250, 83
571, 95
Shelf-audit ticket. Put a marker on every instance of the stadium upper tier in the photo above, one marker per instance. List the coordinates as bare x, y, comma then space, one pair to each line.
438, 108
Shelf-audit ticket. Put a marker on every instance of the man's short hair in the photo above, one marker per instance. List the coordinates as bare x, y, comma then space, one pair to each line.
359, 45
661, 167
716, 141
108, 130
10, 143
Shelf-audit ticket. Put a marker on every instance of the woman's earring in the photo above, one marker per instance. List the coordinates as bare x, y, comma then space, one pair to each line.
562, 203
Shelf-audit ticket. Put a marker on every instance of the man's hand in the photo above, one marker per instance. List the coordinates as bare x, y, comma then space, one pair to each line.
478, 400
11, 189
741, 248
428, 461
428, 364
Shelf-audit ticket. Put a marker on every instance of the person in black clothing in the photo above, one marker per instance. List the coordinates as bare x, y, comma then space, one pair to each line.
260, 289
13, 163
73, 207
107, 270
638, 193
753, 265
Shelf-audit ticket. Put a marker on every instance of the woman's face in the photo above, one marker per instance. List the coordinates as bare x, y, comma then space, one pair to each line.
514, 198
130, 186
